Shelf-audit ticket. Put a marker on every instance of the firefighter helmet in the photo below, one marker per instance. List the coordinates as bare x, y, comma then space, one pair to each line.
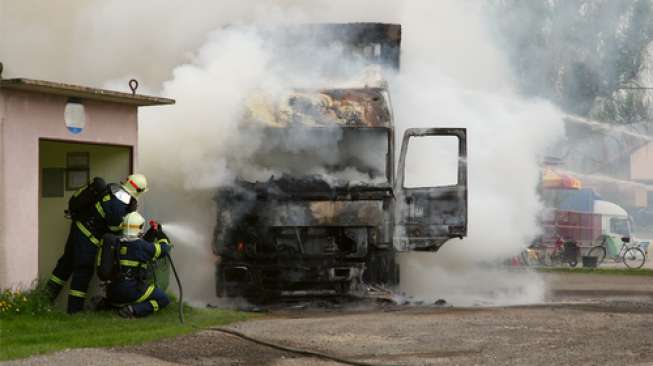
132, 224
135, 184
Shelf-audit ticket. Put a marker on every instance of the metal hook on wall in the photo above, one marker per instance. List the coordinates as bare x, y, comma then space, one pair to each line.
133, 85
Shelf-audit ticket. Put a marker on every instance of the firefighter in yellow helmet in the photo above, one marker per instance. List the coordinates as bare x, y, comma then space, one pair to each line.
135, 184
95, 209
134, 287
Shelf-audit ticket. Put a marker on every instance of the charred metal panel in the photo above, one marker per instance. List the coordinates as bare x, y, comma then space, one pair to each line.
318, 242
354, 107
322, 213
300, 238
428, 223
249, 211
260, 281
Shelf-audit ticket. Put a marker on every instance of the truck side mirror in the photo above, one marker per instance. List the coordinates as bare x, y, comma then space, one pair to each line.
625, 239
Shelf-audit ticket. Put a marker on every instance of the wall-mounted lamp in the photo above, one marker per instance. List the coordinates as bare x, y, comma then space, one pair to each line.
74, 115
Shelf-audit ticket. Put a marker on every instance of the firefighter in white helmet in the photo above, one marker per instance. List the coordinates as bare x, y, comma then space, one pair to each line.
95, 209
134, 289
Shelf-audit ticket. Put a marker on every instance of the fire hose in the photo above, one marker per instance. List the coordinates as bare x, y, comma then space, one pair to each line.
299, 351
156, 226
181, 291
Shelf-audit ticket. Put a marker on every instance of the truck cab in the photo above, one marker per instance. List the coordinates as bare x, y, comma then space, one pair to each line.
323, 203
319, 207
614, 219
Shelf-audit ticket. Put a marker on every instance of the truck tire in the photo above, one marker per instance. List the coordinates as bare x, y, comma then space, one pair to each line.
381, 267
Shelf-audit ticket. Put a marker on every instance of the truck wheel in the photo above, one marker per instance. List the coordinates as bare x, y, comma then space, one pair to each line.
343, 288
219, 281
397, 274
381, 268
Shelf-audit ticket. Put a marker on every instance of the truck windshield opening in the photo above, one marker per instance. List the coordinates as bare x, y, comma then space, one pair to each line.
336, 155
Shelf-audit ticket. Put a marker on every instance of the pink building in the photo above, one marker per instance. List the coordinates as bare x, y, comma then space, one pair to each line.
53, 138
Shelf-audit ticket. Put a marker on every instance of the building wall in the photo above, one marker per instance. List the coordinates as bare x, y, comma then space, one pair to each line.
641, 167
641, 163
29, 117
3, 249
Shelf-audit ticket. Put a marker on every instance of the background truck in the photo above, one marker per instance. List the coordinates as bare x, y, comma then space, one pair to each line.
333, 212
579, 215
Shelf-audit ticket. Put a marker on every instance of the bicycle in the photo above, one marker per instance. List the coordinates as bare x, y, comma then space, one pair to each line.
633, 257
555, 253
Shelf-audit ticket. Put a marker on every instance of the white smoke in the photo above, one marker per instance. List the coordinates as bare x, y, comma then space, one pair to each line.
336, 156
451, 75
431, 278
472, 87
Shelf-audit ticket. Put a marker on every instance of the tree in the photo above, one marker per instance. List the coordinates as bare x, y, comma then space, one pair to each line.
581, 53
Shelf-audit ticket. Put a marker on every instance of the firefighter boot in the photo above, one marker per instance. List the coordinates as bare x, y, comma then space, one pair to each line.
126, 312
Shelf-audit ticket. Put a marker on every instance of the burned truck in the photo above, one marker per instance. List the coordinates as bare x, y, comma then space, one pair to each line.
322, 209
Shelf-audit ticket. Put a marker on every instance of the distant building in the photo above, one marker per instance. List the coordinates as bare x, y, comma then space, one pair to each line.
53, 138
641, 168
616, 161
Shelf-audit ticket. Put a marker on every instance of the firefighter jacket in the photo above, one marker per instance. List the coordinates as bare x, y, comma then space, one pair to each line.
106, 214
136, 258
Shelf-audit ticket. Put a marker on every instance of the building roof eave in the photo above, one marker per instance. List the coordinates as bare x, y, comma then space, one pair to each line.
82, 92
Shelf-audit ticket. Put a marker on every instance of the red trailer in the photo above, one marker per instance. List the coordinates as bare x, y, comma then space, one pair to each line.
584, 228
580, 229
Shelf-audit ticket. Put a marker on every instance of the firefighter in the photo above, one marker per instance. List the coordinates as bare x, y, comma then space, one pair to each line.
100, 211
135, 290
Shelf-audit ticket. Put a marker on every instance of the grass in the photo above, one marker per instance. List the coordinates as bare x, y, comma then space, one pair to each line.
601, 271
30, 333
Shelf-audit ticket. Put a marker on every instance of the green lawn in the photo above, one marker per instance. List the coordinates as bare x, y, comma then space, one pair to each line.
23, 335
604, 271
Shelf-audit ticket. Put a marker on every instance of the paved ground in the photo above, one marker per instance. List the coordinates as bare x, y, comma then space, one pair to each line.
596, 287
588, 319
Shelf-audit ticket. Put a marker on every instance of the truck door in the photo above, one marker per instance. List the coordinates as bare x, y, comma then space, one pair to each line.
431, 188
